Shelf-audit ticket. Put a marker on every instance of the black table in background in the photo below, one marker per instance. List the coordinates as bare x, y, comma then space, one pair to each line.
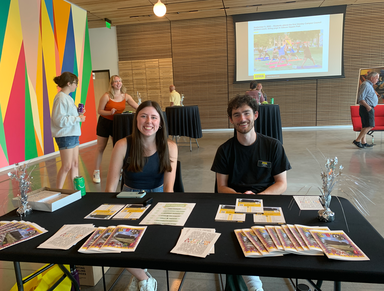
122, 125
184, 121
269, 121
153, 252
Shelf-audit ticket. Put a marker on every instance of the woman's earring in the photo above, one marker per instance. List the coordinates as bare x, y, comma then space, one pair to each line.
160, 127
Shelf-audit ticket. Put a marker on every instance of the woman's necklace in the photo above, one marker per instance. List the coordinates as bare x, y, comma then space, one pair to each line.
118, 96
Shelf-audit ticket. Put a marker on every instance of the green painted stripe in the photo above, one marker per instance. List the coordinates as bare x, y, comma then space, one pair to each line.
87, 65
30, 139
4, 10
2, 137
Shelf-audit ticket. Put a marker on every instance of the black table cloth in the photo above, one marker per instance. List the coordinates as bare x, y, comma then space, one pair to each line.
184, 121
154, 248
122, 125
269, 121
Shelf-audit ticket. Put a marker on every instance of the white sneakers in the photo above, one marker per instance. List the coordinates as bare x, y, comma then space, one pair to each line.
133, 284
96, 176
145, 285
253, 283
148, 285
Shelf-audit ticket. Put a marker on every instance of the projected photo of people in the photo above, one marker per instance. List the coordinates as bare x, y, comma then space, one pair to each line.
295, 50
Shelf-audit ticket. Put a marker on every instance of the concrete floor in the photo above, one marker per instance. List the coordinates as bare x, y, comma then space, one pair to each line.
306, 149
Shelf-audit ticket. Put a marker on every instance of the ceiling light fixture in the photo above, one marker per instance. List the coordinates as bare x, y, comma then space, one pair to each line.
159, 9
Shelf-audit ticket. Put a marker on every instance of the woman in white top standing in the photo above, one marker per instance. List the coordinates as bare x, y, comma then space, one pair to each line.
111, 103
65, 127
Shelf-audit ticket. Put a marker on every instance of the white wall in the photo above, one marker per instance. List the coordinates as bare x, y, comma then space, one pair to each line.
104, 52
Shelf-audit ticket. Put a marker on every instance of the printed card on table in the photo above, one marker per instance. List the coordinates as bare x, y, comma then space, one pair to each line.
247, 205
308, 202
131, 211
271, 215
105, 211
227, 213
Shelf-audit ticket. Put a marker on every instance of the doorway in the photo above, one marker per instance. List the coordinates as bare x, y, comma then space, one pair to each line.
101, 85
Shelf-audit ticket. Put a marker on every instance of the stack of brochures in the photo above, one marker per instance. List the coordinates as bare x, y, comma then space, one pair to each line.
113, 239
261, 214
197, 242
259, 241
14, 232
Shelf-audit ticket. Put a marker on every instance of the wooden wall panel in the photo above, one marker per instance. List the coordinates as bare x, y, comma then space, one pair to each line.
202, 55
150, 78
200, 67
144, 41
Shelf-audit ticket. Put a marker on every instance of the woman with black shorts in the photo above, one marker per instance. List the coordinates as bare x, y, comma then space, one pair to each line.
110, 103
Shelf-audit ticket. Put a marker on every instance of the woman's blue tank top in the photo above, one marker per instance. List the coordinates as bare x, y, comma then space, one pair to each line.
149, 178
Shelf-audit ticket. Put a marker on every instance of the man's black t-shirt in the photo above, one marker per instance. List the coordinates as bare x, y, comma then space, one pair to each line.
251, 167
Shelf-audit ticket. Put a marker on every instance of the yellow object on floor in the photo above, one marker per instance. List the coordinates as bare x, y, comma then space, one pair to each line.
46, 280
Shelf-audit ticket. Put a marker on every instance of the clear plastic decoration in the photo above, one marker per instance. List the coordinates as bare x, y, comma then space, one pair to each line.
359, 191
329, 178
24, 180
138, 98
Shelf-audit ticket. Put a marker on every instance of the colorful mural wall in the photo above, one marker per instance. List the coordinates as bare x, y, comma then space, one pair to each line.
38, 41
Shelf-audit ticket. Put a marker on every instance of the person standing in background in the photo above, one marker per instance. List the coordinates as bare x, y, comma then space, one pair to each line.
65, 127
111, 103
367, 99
174, 96
257, 92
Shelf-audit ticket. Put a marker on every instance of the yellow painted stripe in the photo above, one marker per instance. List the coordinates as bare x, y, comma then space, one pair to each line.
79, 17
35, 111
10, 54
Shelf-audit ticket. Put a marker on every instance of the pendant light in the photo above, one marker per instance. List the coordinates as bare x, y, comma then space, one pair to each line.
159, 9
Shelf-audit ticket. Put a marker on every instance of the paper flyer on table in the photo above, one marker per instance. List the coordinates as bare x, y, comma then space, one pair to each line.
67, 236
169, 213
195, 242
212, 230
308, 202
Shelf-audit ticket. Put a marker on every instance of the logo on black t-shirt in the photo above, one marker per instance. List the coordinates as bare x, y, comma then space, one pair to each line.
264, 164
